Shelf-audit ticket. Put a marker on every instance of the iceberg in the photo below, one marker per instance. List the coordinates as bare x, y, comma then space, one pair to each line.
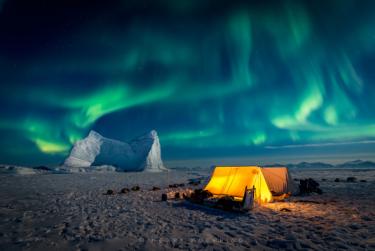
140, 154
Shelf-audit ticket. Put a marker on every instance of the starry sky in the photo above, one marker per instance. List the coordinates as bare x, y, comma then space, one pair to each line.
216, 79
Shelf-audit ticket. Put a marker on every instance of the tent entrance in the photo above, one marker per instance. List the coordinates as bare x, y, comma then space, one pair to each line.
232, 181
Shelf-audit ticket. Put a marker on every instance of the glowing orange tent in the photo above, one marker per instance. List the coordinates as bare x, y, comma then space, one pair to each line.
232, 181
278, 180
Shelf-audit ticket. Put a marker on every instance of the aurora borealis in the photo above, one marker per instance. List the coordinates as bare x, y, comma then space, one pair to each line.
214, 78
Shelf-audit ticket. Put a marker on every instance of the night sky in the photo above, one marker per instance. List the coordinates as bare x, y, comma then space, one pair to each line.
216, 79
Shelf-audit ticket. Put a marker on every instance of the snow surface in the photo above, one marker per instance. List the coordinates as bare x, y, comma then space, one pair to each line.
140, 154
71, 212
22, 170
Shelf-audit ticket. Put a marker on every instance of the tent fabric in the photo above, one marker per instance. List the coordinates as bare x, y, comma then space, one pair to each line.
278, 180
268, 181
232, 181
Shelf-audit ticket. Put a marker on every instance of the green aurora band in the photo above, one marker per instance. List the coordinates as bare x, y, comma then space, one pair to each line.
249, 76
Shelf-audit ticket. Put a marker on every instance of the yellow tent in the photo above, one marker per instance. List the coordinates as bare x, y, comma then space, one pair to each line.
232, 181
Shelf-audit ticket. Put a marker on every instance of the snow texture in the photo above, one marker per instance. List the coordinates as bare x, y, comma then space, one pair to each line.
140, 154
72, 212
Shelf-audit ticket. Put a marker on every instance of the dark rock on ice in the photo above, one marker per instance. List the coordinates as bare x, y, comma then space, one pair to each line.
284, 209
124, 190
308, 186
110, 192
199, 195
351, 179
135, 188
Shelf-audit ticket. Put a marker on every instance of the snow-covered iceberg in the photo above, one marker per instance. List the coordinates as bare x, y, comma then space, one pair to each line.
140, 154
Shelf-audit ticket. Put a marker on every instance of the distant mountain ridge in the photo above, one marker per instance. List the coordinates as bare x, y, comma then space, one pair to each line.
348, 164
355, 164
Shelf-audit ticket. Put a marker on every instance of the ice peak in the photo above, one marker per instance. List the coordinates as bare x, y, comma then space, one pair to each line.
94, 134
142, 153
153, 134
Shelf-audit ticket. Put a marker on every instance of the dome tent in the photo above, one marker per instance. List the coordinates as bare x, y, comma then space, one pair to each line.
232, 181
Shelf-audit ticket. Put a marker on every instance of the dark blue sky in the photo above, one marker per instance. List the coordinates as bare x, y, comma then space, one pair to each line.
216, 79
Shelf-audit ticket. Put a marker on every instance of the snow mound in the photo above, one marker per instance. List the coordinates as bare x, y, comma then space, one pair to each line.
22, 170
140, 154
